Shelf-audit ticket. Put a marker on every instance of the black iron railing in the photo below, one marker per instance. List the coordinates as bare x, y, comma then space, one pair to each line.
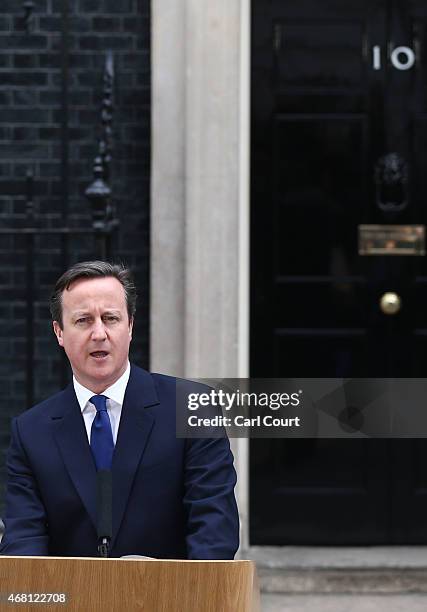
99, 194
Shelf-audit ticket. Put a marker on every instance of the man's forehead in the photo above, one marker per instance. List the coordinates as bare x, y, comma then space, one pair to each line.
85, 293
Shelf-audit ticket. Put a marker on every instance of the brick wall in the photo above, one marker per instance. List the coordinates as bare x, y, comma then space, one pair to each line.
31, 112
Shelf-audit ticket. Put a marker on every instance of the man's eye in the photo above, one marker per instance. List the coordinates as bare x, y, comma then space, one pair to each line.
111, 318
81, 320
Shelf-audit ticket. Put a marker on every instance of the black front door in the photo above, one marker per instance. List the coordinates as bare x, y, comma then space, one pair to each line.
339, 140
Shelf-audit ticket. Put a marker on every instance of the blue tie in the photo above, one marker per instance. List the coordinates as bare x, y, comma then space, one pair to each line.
101, 437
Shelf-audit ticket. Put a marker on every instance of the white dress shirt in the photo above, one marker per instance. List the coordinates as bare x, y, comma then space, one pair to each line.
115, 395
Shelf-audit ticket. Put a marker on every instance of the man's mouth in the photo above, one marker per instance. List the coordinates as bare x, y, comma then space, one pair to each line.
99, 354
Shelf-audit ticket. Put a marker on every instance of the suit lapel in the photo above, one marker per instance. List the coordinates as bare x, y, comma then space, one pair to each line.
71, 437
135, 429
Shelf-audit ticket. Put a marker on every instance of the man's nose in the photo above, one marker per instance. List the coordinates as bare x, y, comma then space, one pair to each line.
98, 330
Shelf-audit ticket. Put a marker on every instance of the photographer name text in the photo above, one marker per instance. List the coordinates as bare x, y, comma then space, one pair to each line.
241, 421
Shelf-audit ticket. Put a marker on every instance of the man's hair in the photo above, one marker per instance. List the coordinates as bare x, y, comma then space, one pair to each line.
93, 269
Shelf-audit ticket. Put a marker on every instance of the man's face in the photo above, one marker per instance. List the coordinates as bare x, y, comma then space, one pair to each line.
96, 331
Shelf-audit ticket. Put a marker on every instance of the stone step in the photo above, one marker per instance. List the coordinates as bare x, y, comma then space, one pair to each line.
343, 603
363, 571
384, 581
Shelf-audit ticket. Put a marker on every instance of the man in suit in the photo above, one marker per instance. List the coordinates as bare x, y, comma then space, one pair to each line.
172, 498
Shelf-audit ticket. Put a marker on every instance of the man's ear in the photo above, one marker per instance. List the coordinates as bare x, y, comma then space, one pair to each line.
130, 327
58, 333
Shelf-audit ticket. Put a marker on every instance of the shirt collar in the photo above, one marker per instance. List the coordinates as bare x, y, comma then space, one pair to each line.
116, 392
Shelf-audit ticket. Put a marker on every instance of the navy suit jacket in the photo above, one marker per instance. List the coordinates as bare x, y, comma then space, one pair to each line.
172, 498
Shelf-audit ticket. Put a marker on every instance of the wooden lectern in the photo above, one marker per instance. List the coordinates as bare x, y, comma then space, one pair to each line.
125, 585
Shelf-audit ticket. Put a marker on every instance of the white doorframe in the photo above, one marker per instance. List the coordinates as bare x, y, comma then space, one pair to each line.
199, 287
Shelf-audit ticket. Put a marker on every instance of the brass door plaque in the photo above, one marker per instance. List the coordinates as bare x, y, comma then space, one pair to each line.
392, 240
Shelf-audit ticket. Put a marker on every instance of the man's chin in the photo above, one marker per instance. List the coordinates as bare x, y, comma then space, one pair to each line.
99, 378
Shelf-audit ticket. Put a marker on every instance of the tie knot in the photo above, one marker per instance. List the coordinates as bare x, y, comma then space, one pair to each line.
99, 401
